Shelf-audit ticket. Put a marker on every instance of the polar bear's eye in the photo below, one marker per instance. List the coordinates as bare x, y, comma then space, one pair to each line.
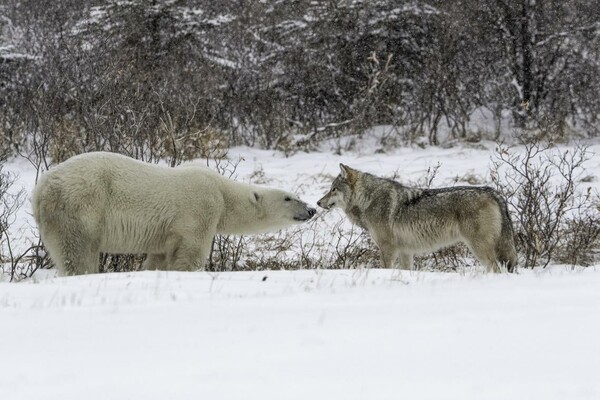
287, 198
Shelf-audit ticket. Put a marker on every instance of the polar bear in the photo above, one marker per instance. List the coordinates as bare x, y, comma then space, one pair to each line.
106, 202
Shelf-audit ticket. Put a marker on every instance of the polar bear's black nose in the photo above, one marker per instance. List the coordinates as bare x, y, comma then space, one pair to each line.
311, 212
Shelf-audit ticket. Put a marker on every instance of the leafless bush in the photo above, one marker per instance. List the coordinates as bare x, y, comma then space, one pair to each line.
227, 252
262, 74
34, 257
548, 208
449, 258
309, 246
352, 248
120, 262
17, 263
29, 261
9, 205
580, 240
274, 251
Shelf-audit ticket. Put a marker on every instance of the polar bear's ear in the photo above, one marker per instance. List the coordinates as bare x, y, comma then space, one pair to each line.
256, 197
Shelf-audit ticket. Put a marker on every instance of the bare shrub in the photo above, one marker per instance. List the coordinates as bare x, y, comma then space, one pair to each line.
10, 203
352, 248
18, 263
120, 262
226, 253
580, 241
541, 187
450, 258
372, 100
273, 251
66, 142
30, 260
309, 246
205, 143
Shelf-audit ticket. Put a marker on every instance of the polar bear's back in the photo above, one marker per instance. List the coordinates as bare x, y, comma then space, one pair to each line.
92, 173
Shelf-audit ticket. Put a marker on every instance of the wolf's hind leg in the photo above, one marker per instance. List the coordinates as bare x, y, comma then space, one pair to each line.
486, 254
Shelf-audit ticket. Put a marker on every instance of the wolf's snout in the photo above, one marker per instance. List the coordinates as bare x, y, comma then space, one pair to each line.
323, 204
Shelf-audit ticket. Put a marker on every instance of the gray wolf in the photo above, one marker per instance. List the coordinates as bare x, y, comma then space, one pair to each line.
405, 220
105, 202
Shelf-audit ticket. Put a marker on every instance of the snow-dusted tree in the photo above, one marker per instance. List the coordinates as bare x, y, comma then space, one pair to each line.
151, 77
546, 52
349, 61
152, 86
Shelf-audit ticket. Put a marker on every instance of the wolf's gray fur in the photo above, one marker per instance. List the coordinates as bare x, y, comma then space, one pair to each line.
404, 220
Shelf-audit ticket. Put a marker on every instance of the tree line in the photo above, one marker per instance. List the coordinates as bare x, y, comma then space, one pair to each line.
158, 78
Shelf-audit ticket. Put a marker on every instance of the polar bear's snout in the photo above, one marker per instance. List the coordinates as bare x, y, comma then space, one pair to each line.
305, 214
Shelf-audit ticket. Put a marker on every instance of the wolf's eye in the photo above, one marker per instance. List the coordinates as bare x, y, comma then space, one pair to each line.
333, 190
288, 199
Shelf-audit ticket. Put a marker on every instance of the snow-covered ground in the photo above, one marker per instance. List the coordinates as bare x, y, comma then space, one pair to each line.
360, 334
308, 334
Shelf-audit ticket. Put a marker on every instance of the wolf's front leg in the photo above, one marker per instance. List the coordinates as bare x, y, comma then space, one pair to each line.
388, 255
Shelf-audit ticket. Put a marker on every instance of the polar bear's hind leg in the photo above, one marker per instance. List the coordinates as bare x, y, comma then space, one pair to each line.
78, 252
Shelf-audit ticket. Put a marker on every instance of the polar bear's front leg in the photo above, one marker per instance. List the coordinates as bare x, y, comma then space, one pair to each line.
155, 261
190, 255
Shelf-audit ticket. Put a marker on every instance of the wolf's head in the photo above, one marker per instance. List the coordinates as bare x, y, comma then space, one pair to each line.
341, 189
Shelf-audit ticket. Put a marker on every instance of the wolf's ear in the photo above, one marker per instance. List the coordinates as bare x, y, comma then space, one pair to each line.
256, 197
348, 173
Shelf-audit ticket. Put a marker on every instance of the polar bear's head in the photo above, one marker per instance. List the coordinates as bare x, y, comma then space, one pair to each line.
279, 208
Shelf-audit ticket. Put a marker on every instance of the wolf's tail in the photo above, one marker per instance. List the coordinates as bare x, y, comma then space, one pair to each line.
505, 247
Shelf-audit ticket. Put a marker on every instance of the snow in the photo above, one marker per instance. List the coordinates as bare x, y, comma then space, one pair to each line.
352, 334
362, 333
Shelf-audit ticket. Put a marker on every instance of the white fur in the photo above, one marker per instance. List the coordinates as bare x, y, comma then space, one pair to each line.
105, 202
